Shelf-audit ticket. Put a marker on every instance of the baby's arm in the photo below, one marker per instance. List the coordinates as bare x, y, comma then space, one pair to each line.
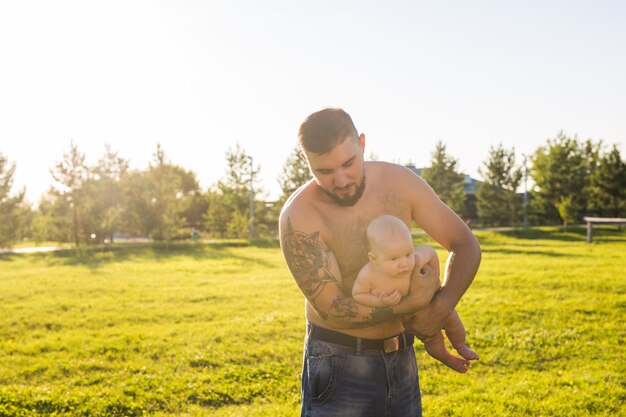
425, 255
425, 277
362, 293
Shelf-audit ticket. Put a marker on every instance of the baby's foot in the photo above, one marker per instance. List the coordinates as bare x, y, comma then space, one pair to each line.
458, 364
467, 353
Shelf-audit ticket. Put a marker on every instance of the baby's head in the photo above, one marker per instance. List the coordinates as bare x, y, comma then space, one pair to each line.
390, 246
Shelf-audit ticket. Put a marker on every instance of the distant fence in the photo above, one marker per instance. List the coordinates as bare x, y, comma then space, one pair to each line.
600, 220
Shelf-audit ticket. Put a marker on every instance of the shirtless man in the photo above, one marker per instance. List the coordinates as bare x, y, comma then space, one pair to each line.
359, 360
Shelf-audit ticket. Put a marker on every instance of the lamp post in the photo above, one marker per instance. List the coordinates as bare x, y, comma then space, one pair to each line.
251, 199
525, 194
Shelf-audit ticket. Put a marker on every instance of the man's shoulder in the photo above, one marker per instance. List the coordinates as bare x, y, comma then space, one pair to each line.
299, 206
381, 168
393, 179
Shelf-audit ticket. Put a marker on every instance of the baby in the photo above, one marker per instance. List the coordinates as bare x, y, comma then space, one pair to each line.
386, 278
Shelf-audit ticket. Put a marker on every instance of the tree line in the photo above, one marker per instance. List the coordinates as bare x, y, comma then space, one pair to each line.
96, 204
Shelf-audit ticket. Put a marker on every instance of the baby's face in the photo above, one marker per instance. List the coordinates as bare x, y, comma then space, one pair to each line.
394, 257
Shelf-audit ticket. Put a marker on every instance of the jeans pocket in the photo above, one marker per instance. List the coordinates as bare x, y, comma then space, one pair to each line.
321, 378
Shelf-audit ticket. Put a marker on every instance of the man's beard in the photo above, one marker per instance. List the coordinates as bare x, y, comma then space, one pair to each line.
347, 201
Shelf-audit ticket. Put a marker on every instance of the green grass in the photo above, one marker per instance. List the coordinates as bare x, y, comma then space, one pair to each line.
216, 330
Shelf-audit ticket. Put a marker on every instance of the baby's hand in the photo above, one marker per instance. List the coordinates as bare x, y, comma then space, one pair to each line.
390, 299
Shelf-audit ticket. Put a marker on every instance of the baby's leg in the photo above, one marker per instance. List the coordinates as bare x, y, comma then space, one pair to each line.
437, 349
455, 332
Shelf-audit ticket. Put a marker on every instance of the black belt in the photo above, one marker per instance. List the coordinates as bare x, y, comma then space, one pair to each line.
388, 345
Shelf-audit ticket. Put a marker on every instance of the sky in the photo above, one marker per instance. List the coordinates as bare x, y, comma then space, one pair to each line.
199, 77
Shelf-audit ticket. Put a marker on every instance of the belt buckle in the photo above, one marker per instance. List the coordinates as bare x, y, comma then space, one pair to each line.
392, 344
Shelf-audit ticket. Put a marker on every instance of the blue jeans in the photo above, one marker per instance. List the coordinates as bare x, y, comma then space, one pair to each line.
339, 382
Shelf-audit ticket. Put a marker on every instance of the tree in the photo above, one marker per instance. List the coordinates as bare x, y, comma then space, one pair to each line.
103, 195
71, 173
138, 217
238, 225
166, 202
236, 184
230, 201
56, 224
10, 213
295, 174
497, 194
591, 163
559, 170
192, 203
444, 179
195, 207
218, 214
156, 200
609, 185
566, 210
41, 227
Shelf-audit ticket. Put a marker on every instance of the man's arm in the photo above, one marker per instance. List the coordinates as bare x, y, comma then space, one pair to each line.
315, 270
443, 225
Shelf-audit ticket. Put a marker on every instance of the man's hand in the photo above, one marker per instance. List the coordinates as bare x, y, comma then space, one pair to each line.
427, 321
424, 285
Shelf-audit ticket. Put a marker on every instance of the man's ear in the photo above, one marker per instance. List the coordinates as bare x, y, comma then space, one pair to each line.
303, 156
362, 141
371, 256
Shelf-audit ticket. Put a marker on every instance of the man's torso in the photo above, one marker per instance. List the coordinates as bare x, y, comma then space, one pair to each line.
343, 229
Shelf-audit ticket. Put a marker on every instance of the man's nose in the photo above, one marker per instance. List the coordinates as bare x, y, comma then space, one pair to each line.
341, 180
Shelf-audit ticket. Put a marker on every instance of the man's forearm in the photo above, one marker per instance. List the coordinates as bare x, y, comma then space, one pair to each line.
346, 313
415, 301
461, 267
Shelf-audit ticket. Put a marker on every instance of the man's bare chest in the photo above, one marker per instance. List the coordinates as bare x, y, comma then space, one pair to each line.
345, 234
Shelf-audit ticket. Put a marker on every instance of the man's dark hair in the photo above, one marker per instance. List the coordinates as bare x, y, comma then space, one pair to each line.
323, 130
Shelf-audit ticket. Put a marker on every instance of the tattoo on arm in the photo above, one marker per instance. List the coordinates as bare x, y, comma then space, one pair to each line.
346, 308
380, 314
308, 260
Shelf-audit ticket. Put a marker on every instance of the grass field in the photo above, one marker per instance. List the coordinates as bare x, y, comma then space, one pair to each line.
216, 330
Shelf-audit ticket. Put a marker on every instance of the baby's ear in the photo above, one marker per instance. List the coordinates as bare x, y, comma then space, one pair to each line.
371, 256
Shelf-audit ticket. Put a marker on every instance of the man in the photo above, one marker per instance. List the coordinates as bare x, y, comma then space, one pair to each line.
358, 360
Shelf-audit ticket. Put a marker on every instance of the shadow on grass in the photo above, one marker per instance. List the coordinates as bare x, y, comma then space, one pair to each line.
7, 257
573, 234
95, 257
525, 252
